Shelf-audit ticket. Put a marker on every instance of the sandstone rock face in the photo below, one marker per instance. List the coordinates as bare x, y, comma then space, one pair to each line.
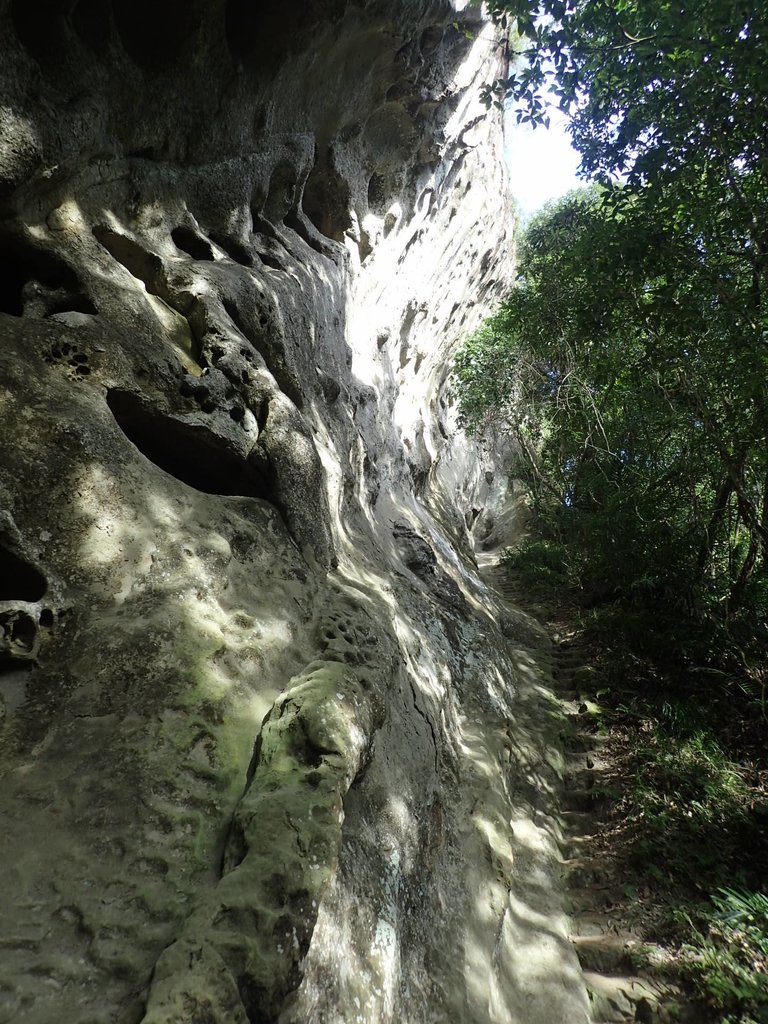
264, 756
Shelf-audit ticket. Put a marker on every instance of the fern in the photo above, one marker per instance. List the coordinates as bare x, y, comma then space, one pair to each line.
729, 965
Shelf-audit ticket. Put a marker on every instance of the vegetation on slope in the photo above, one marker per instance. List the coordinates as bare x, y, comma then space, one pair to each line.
629, 370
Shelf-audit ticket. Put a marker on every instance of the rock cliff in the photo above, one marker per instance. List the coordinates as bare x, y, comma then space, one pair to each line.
271, 750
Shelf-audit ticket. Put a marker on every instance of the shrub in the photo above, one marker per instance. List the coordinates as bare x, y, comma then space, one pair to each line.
538, 563
729, 963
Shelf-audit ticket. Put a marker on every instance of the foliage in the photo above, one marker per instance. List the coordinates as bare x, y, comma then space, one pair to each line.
690, 818
668, 99
630, 374
729, 962
691, 803
486, 369
693, 809
654, 89
538, 563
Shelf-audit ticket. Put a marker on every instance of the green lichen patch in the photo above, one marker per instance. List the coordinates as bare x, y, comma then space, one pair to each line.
281, 853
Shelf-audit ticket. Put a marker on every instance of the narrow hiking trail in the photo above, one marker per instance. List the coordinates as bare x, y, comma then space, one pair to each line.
626, 977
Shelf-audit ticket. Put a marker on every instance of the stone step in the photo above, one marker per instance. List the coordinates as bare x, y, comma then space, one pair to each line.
580, 774
594, 899
576, 847
579, 873
592, 924
577, 742
616, 999
591, 799
585, 769
569, 660
577, 823
604, 953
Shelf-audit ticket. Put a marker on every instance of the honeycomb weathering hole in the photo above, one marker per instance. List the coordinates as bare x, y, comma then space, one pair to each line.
192, 244
145, 266
188, 451
155, 33
38, 280
376, 192
282, 191
233, 249
326, 199
18, 634
19, 580
269, 347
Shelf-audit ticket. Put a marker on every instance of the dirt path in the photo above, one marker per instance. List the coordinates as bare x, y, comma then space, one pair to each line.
609, 947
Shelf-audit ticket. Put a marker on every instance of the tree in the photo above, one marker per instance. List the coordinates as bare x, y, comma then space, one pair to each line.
640, 331
653, 88
668, 98
629, 371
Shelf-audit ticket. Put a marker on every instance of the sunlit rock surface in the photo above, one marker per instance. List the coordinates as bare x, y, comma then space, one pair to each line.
271, 750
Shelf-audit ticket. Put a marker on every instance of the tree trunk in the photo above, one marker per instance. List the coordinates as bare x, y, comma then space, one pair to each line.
724, 492
736, 599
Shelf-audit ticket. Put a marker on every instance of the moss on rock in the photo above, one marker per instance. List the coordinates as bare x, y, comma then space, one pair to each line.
242, 947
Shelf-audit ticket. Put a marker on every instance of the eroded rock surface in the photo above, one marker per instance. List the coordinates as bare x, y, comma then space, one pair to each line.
262, 750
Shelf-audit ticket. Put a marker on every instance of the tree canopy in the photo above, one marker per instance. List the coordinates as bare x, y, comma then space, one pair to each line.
630, 363
630, 375
666, 98
654, 88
